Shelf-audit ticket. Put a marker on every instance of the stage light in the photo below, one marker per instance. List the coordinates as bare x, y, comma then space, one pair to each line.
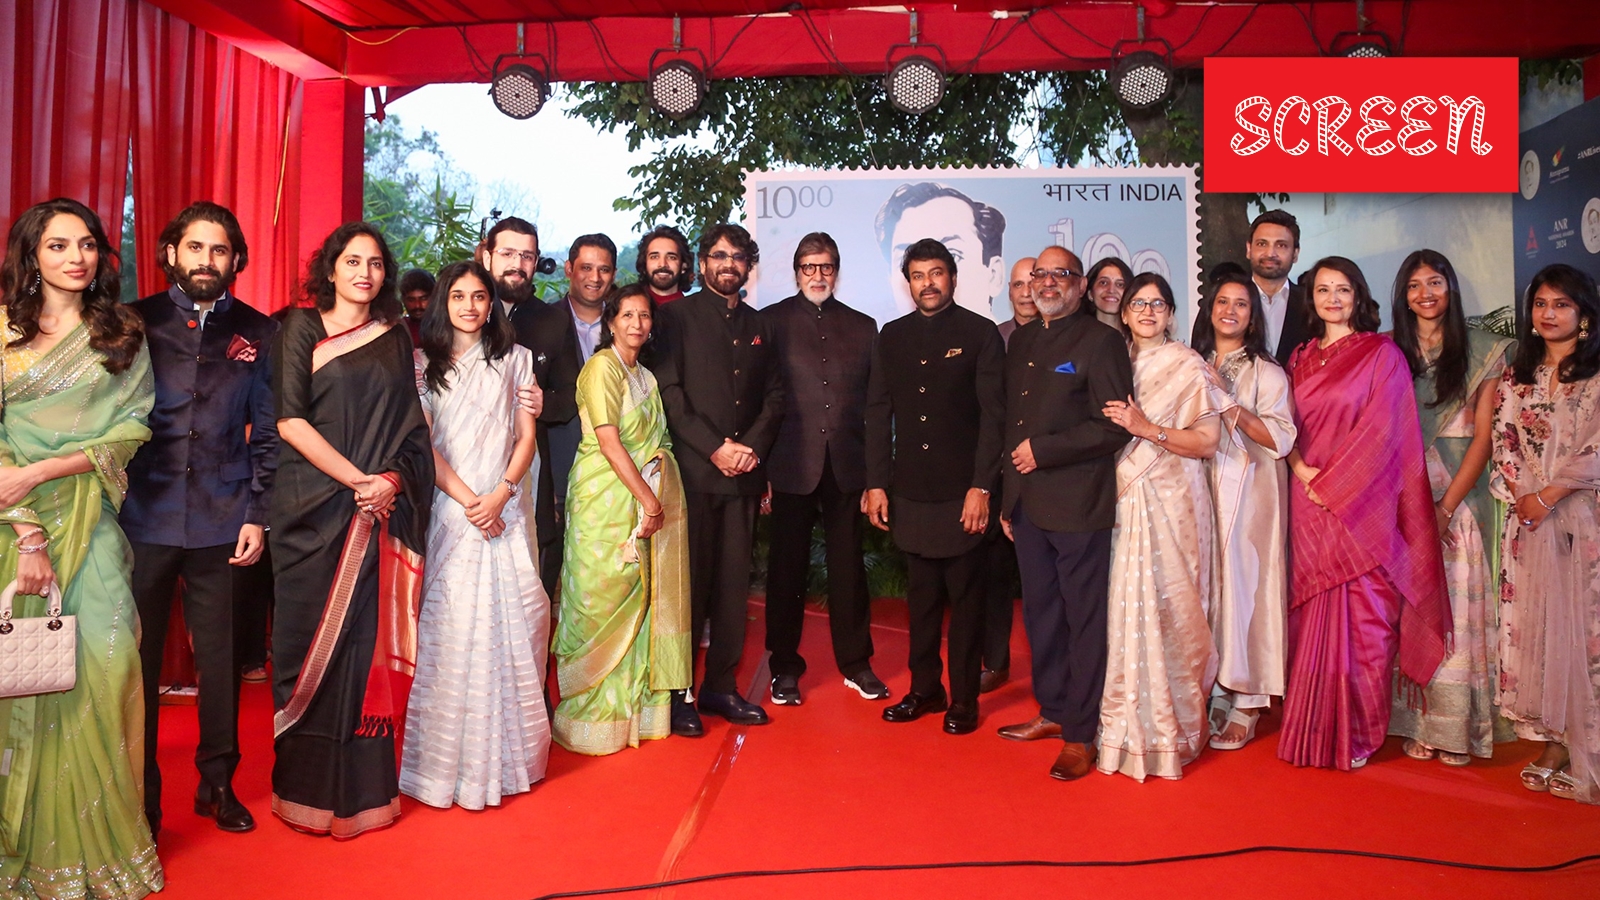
677, 88
519, 90
915, 85
1142, 80
1362, 45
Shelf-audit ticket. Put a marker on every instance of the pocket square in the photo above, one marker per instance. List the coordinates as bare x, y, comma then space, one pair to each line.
241, 350
1067, 368
953, 351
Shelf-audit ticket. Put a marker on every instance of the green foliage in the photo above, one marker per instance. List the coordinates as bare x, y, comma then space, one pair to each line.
414, 193
1544, 72
1079, 121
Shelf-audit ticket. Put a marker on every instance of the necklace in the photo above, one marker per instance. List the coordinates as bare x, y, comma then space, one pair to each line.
638, 386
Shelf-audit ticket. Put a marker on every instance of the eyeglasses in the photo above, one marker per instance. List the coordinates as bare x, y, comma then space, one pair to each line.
510, 255
722, 256
1156, 305
1057, 274
813, 268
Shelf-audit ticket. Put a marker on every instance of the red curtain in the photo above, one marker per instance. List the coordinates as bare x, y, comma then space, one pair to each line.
215, 123
65, 105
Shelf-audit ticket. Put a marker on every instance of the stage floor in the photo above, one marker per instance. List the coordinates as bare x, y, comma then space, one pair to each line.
831, 784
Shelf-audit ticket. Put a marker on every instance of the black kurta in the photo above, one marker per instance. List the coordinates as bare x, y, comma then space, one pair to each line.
364, 403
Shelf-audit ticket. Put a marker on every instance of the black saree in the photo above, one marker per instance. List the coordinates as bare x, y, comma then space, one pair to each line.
343, 637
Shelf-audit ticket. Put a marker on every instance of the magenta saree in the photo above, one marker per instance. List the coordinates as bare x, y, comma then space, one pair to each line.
1366, 575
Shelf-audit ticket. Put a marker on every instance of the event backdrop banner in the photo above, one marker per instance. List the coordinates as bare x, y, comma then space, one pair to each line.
1407, 124
1555, 215
988, 218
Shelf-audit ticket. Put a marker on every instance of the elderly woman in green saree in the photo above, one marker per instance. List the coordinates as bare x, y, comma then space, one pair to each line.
622, 643
77, 392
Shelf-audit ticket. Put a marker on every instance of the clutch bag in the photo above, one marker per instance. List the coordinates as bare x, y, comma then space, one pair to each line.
37, 655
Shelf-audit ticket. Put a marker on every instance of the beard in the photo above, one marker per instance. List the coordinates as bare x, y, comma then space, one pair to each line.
513, 293
727, 282
203, 291
1270, 269
664, 280
1051, 306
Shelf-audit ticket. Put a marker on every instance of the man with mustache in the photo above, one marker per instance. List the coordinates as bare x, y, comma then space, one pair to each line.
1273, 250
1060, 501
723, 392
819, 463
663, 263
510, 251
198, 492
934, 402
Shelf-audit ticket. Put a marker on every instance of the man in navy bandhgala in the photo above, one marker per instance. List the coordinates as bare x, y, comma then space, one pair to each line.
198, 491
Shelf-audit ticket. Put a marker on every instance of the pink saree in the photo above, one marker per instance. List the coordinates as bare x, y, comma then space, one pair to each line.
1367, 579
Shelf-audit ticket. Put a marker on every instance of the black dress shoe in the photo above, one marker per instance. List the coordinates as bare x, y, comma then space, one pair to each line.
732, 707
914, 706
685, 721
989, 679
961, 719
220, 804
786, 690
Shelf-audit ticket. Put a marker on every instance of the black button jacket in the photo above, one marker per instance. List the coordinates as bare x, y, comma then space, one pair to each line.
546, 330
934, 406
719, 377
825, 353
1060, 413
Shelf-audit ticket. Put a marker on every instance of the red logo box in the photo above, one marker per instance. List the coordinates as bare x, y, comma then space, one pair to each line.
1367, 125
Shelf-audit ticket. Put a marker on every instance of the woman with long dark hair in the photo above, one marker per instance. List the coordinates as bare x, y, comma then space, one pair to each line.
1547, 469
77, 392
476, 726
622, 641
1454, 370
1366, 575
1107, 281
1161, 663
1250, 481
349, 518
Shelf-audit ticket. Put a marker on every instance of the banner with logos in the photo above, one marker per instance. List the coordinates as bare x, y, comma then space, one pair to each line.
1555, 215
988, 218
1330, 124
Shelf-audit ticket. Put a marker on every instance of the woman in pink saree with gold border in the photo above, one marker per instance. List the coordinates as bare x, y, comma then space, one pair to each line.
1366, 575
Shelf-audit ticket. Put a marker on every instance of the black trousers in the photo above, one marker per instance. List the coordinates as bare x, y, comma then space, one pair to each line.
789, 564
930, 583
253, 601
1065, 580
997, 602
547, 526
208, 610
721, 530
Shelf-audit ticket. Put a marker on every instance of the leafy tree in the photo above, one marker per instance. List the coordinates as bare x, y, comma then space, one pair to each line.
414, 192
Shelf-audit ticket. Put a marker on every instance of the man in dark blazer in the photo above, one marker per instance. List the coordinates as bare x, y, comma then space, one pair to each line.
934, 404
1273, 250
510, 252
723, 393
1061, 500
820, 462
198, 491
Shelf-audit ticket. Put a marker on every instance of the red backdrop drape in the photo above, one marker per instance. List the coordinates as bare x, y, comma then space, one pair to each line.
65, 105
215, 123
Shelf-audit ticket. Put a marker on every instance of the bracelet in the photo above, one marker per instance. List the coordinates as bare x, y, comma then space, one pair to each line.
44, 542
512, 488
398, 488
652, 515
1540, 497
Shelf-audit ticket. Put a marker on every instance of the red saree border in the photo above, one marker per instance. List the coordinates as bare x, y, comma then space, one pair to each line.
311, 820
330, 625
334, 346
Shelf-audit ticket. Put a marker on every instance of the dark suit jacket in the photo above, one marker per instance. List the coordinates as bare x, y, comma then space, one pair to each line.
197, 481
1296, 324
825, 354
1060, 415
934, 403
719, 377
546, 330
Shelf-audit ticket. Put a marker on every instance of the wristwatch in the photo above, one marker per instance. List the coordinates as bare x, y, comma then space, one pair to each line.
512, 487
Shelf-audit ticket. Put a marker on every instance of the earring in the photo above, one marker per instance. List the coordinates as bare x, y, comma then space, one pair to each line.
38, 279
92, 283
1583, 329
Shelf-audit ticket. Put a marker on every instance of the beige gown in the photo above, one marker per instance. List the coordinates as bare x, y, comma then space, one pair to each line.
1250, 484
1160, 662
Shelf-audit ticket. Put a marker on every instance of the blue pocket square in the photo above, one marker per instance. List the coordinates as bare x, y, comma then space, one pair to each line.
1067, 368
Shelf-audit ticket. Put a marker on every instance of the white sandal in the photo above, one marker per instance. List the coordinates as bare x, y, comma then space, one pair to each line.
1246, 717
1536, 777
1218, 714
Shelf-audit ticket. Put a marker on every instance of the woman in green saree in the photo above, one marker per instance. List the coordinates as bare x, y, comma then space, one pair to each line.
623, 639
1455, 370
77, 392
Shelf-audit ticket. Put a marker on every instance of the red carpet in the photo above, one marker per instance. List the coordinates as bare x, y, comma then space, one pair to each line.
829, 783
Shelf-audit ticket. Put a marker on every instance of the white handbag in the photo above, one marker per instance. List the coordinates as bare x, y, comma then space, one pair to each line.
37, 655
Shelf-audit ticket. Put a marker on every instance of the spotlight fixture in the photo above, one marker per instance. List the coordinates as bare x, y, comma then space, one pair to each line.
677, 88
1142, 79
519, 90
915, 85
1362, 45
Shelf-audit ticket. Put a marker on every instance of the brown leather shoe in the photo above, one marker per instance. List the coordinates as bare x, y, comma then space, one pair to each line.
1074, 762
990, 679
1035, 729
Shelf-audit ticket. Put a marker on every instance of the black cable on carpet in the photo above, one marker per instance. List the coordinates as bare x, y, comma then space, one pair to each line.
1071, 864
